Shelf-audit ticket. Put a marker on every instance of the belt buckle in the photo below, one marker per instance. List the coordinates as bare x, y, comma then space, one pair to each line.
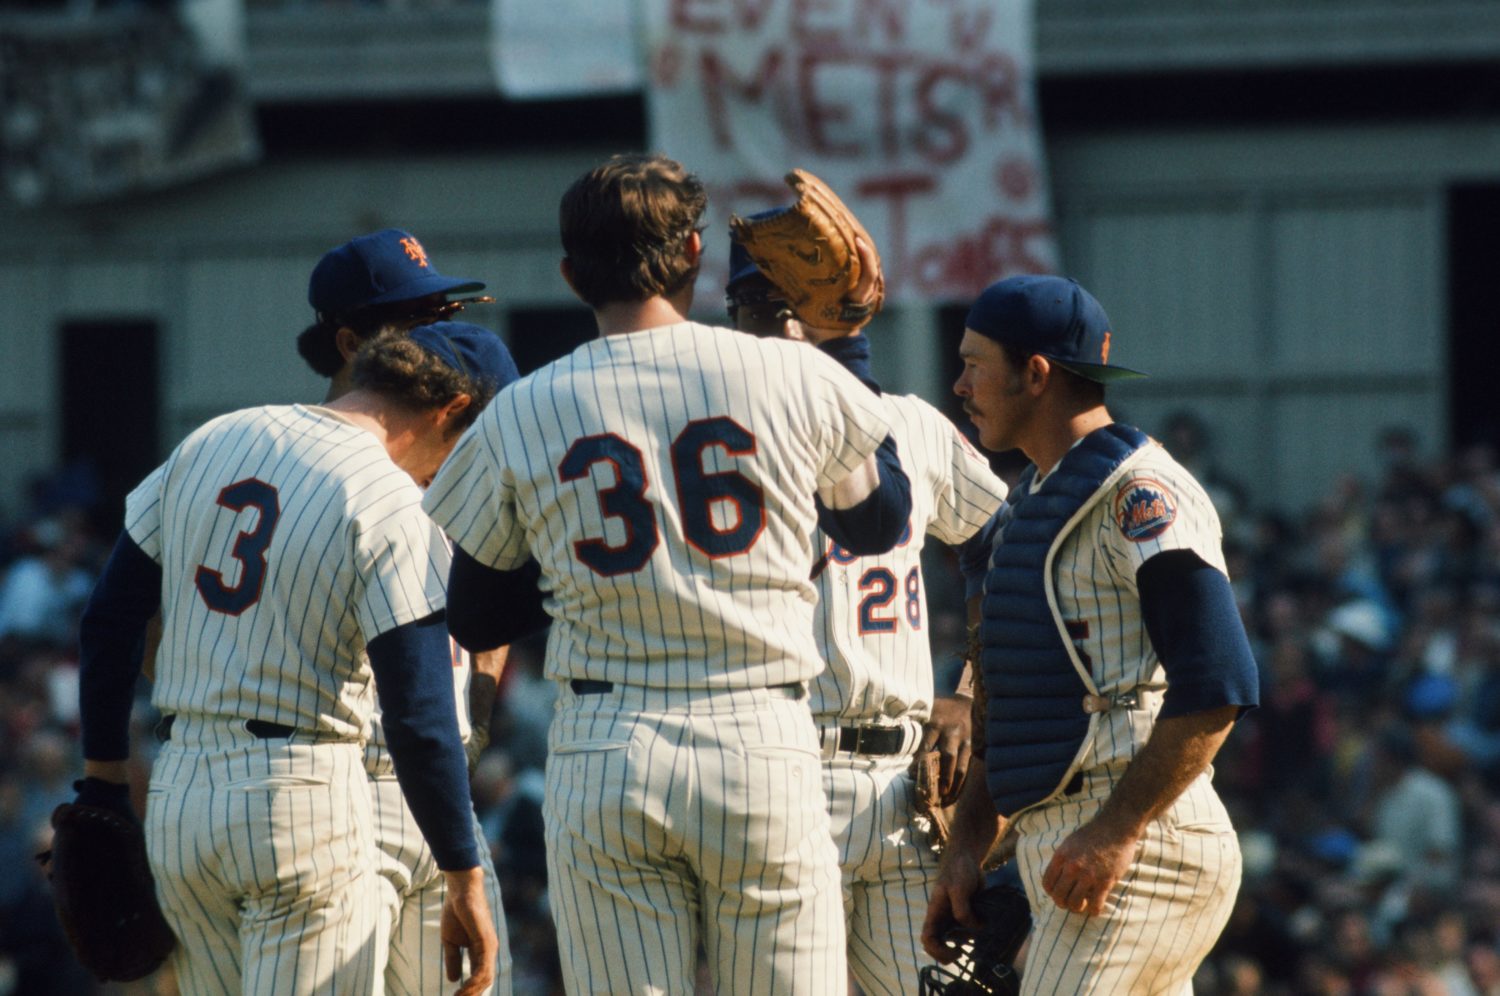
1114, 700
859, 740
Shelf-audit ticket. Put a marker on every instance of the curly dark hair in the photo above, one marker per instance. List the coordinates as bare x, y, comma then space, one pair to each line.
318, 343
398, 369
625, 228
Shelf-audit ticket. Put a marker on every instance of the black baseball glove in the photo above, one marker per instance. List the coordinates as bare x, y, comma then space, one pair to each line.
102, 885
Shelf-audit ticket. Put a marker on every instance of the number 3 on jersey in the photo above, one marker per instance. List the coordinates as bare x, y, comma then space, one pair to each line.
249, 548
699, 494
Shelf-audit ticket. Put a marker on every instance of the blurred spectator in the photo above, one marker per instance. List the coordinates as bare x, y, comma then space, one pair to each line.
44, 593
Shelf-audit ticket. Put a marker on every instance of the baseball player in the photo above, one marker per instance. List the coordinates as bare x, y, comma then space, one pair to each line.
663, 478
875, 703
375, 282
288, 553
1113, 660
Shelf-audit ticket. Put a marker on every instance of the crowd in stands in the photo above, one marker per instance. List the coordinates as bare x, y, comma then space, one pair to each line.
1366, 787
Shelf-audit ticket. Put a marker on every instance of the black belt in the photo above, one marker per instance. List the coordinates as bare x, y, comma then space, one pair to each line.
874, 740
258, 728
594, 686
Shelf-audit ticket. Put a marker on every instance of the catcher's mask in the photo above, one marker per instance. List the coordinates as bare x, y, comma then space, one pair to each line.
983, 966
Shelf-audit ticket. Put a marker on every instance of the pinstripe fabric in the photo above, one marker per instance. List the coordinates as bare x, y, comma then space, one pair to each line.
412, 885
412, 888
1165, 914
262, 858
872, 621
655, 844
287, 538
683, 619
686, 804
1094, 573
887, 867
351, 556
872, 626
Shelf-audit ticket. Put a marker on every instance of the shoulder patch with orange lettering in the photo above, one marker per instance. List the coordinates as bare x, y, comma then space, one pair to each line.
1144, 508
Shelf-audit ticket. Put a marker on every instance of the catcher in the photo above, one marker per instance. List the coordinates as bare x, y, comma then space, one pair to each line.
892, 749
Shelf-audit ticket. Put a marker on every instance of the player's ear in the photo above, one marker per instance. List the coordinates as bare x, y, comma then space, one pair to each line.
449, 413
347, 342
1038, 372
693, 249
793, 330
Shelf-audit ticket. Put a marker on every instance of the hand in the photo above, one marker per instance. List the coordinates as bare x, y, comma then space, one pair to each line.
474, 747
467, 925
862, 293
959, 879
948, 731
1086, 866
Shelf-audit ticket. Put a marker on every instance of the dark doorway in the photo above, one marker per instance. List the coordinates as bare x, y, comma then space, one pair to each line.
540, 335
110, 407
1473, 314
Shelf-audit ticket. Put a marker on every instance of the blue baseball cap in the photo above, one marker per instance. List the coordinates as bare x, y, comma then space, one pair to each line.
380, 268
470, 349
1052, 317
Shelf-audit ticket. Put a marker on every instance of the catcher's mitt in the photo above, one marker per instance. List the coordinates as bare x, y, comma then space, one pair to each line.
104, 893
926, 770
807, 250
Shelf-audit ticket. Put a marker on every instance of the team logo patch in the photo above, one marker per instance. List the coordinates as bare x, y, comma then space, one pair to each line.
1144, 509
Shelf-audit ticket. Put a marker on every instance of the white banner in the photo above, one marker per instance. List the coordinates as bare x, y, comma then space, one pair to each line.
564, 48
921, 114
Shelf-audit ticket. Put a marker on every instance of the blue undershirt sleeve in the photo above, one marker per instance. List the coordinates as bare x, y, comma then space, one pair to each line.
1195, 626
974, 555
853, 352
414, 679
489, 608
875, 524
110, 636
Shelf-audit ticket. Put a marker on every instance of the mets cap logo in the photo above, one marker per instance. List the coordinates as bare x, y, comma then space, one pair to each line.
414, 250
1144, 508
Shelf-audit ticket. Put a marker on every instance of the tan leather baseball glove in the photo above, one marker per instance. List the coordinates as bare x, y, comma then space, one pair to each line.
808, 251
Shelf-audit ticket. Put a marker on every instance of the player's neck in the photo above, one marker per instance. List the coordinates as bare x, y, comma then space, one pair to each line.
1055, 436
624, 317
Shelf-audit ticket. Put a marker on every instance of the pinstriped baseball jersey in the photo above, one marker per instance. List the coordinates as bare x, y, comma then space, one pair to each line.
663, 480
273, 625
872, 611
1155, 506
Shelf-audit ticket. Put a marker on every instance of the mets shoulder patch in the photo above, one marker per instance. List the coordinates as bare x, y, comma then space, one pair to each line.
1144, 508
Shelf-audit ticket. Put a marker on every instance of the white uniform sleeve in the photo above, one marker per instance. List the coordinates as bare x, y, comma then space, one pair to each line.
403, 562
1159, 507
969, 492
473, 501
852, 420
143, 513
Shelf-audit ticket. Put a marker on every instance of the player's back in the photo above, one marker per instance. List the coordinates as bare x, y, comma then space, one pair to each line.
268, 522
665, 481
872, 619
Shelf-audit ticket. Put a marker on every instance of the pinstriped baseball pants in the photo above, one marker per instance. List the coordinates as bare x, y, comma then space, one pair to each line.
412, 890
1165, 914
677, 817
888, 867
263, 856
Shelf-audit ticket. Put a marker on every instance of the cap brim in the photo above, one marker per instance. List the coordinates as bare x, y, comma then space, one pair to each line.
1098, 372
434, 283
